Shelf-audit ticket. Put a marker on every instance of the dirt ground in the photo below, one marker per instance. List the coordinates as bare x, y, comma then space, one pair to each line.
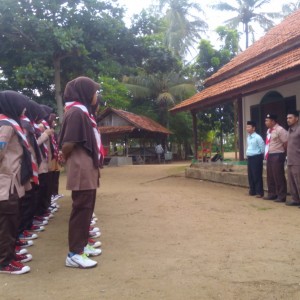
168, 237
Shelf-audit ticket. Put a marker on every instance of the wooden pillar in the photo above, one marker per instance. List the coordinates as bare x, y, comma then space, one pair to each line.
235, 113
195, 133
126, 145
241, 128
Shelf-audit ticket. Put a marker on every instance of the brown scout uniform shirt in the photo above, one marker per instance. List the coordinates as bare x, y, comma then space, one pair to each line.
293, 148
278, 139
10, 164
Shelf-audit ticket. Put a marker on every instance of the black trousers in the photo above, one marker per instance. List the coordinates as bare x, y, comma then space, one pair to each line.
275, 176
80, 219
44, 194
55, 183
28, 205
9, 222
255, 169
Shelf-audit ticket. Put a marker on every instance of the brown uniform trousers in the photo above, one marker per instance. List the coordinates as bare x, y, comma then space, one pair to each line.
275, 176
9, 223
80, 219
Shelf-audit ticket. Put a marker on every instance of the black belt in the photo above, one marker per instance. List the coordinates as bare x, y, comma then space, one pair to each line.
278, 154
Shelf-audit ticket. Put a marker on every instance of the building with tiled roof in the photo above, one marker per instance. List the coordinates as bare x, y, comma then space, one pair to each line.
265, 78
115, 125
117, 122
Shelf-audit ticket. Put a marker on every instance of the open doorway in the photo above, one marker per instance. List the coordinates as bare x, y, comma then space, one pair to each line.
272, 103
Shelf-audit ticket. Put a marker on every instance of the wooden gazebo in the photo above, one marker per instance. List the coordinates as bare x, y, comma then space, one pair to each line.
115, 124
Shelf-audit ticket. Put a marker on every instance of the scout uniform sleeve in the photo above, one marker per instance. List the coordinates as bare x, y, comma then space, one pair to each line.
6, 133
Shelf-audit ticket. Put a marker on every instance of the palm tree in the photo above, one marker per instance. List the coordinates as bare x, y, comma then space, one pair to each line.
165, 90
288, 8
183, 27
246, 13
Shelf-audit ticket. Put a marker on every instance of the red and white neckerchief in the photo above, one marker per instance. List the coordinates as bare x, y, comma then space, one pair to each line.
92, 119
24, 118
53, 140
38, 129
19, 131
268, 140
102, 152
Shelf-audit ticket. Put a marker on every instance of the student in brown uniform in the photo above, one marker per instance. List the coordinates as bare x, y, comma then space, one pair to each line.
293, 157
15, 173
30, 200
81, 152
44, 141
52, 156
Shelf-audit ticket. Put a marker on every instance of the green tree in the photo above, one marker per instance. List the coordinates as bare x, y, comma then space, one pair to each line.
44, 44
247, 13
219, 119
114, 93
183, 24
163, 90
181, 125
210, 60
290, 7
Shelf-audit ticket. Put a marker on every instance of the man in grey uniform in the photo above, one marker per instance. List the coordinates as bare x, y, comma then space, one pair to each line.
293, 157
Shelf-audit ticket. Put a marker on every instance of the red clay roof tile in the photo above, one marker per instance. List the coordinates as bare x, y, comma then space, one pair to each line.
276, 39
137, 121
236, 83
276, 52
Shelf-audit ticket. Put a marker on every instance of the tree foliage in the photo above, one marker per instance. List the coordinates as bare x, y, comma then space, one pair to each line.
210, 60
290, 7
44, 44
247, 13
114, 93
183, 26
163, 90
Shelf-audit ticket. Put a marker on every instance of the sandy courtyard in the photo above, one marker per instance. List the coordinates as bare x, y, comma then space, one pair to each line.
168, 237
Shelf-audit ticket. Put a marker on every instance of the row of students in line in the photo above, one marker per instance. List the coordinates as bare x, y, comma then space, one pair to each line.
29, 173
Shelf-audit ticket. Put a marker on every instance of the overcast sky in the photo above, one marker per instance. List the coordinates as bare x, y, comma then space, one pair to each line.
214, 18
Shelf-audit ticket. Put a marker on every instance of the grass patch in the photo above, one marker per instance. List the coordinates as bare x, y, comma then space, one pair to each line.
260, 208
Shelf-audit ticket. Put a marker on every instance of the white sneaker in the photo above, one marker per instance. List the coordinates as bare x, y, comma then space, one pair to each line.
23, 258
93, 223
80, 261
19, 250
95, 244
15, 267
94, 217
40, 222
94, 234
24, 243
26, 235
94, 229
54, 204
52, 209
91, 251
54, 198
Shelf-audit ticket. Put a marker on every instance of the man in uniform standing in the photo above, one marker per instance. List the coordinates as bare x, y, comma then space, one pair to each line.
293, 157
275, 156
255, 156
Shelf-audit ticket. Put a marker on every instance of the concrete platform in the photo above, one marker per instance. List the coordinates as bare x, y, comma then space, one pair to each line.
120, 161
222, 172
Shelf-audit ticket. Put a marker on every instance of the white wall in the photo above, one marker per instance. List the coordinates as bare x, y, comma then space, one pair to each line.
114, 120
288, 90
